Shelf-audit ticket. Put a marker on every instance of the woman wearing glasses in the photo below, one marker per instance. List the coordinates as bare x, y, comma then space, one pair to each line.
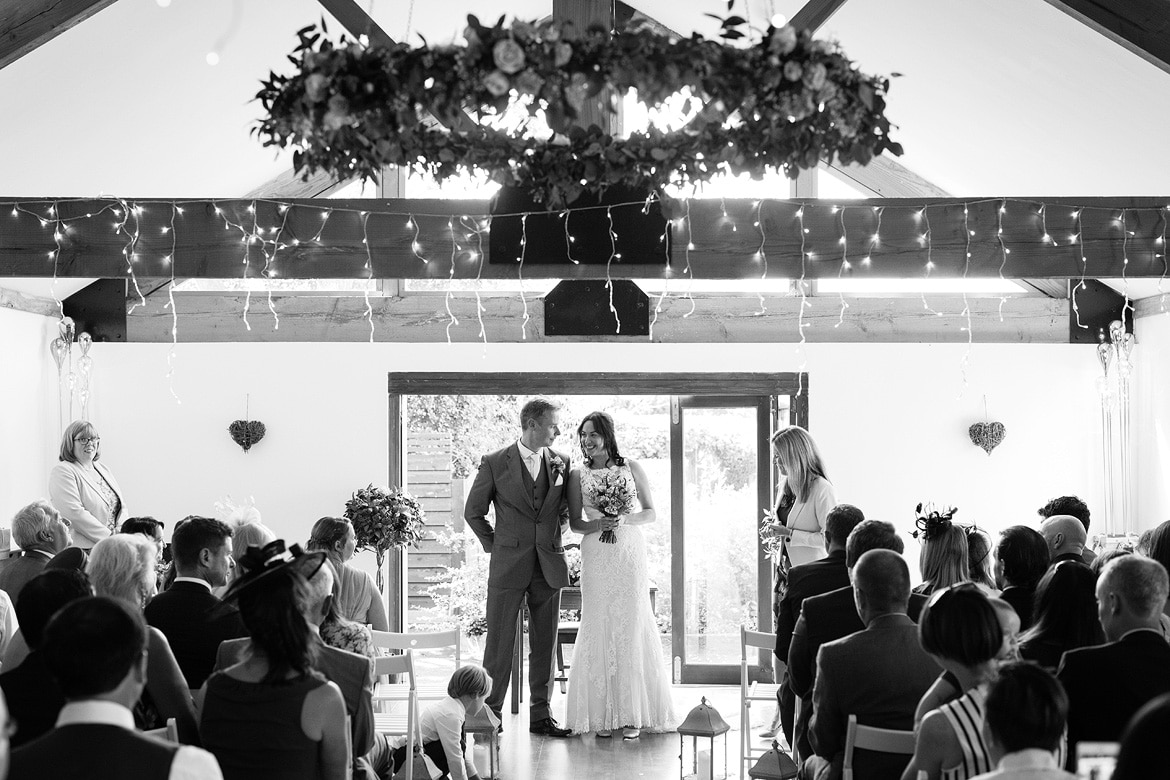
83, 490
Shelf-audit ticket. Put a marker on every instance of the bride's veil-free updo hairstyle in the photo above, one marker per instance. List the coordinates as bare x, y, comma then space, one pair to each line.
603, 424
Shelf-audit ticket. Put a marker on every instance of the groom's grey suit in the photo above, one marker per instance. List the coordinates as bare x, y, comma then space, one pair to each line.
528, 560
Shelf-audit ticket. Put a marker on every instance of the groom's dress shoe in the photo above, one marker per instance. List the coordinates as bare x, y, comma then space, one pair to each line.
547, 727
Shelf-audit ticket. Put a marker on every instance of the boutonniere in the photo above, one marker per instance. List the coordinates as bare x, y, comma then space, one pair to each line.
557, 465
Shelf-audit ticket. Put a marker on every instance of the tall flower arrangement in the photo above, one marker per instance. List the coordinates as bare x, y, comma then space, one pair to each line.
384, 519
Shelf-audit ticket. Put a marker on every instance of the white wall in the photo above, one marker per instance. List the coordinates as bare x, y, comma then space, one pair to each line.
888, 417
1151, 419
29, 426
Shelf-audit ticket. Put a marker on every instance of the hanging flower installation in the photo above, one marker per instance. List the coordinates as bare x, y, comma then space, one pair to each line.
783, 103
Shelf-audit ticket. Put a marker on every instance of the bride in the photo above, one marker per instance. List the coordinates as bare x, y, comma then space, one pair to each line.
618, 679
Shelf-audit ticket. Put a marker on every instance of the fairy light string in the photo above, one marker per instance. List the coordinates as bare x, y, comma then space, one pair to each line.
1077, 238
520, 275
369, 268
171, 353
761, 254
613, 255
844, 241
927, 238
453, 320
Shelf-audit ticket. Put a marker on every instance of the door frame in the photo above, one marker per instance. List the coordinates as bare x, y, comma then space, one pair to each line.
399, 384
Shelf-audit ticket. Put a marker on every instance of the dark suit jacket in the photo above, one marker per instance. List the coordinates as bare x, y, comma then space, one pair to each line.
187, 615
524, 532
1107, 684
93, 751
18, 570
1021, 599
34, 701
810, 579
878, 674
824, 618
352, 673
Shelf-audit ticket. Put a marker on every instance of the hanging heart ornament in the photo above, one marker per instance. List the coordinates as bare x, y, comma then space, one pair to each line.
987, 435
247, 432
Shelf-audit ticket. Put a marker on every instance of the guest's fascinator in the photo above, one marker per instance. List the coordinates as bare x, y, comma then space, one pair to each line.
260, 562
932, 522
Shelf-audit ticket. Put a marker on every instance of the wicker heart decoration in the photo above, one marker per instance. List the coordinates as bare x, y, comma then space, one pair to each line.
987, 435
247, 432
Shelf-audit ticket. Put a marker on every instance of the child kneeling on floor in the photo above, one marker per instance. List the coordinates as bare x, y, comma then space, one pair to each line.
441, 724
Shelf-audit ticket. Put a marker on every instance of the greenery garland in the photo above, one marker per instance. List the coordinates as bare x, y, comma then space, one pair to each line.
783, 103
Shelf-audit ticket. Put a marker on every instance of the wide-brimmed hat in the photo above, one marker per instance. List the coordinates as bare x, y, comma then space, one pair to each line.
260, 562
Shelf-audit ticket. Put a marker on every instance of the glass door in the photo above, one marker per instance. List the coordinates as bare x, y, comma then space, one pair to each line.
721, 483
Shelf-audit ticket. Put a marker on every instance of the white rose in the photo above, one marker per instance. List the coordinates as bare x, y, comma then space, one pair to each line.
783, 39
496, 83
814, 76
562, 54
508, 56
792, 70
316, 86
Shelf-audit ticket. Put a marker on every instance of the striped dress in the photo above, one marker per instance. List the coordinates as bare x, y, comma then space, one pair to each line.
965, 714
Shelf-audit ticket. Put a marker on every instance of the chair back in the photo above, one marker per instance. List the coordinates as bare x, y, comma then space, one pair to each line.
397, 664
876, 739
168, 733
424, 640
755, 639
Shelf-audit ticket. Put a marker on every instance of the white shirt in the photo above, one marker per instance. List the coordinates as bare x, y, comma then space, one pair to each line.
531, 459
190, 763
200, 580
1031, 764
443, 721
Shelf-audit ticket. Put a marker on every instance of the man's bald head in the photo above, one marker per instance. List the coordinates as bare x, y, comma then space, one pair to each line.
881, 584
1064, 534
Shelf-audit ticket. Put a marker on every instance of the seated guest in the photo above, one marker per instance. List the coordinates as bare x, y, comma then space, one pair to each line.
980, 564
357, 596
943, 560
947, 687
1021, 558
832, 616
245, 534
147, 526
353, 674
1143, 745
95, 648
1065, 537
69, 559
441, 724
1065, 615
1108, 683
344, 634
122, 567
41, 533
1158, 548
187, 614
29, 687
272, 715
960, 630
877, 674
812, 579
1070, 505
1025, 715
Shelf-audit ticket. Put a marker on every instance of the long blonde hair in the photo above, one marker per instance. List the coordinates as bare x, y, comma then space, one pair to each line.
800, 459
943, 559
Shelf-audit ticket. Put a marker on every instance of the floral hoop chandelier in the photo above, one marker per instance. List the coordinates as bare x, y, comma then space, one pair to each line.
783, 103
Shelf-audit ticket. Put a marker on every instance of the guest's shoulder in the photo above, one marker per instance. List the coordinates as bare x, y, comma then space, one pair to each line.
817, 605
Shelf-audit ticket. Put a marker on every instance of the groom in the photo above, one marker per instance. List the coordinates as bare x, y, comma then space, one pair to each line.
527, 483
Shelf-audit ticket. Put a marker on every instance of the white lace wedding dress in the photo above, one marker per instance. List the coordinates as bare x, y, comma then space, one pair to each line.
618, 676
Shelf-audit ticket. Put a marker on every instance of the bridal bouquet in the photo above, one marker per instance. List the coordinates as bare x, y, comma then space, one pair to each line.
615, 496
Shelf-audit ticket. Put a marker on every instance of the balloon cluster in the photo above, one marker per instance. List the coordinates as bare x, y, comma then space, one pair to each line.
61, 348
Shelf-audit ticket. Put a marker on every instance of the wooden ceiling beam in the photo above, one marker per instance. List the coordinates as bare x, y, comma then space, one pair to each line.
27, 24
435, 319
323, 239
1140, 26
815, 13
289, 184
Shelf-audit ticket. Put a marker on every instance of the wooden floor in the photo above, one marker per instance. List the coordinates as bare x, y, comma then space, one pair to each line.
524, 756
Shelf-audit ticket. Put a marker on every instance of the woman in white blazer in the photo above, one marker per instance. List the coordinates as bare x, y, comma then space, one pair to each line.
83, 490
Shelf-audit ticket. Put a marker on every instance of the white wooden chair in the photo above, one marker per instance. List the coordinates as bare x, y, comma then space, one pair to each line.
431, 690
400, 724
752, 692
873, 738
168, 733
